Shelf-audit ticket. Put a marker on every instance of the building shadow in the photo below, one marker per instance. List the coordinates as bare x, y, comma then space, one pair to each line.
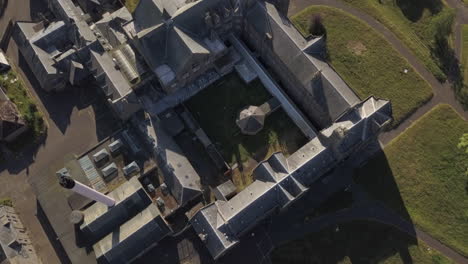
414, 9
51, 235
374, 227
3, 7
59, 106
37, 8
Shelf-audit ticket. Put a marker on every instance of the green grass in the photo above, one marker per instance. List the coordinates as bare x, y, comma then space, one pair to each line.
18, 94
217, 107
367, 62
417, 23
465, 53
131, 4
357, 242
464, 91
6, 202
421, 174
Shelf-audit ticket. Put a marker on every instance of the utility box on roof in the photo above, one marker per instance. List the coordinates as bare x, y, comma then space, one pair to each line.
131, 168
100, 155
109, 171
115, 146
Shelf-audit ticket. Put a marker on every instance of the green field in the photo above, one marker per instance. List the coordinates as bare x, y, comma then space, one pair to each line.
18, 94
367, 62
418, 24
216, 109
359, 243
421, 174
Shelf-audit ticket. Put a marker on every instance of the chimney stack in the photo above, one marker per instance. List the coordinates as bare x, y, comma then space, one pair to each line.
69, 183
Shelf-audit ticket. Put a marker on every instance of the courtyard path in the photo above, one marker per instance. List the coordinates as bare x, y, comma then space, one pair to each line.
443, 93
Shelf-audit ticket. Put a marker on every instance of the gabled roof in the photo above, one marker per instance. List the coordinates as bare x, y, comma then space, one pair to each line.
170, 45
174, 40
148, 13
329, 91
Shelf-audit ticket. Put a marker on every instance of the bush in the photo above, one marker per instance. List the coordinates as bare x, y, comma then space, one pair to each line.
316, 26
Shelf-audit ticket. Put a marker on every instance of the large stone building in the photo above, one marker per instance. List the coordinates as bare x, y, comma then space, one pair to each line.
172, 49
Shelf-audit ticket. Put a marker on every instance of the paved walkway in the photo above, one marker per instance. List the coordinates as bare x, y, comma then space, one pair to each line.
443, 93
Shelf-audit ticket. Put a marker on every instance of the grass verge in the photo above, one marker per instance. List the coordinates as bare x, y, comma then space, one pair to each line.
421, 25
423, 172
377, 244
18, 94
367, 62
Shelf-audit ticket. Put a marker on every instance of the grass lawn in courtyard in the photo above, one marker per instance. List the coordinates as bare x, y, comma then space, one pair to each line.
417, 23
18, 94
422, 173
216, 109
367, 62
377, 243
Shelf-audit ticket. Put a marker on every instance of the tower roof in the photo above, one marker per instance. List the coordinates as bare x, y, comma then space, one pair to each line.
251, 120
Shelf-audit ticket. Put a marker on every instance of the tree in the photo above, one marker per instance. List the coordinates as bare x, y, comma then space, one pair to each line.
464, 142
464, 145
316, 26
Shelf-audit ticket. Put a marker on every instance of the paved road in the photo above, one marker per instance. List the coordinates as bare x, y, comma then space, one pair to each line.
66, 115
443, 93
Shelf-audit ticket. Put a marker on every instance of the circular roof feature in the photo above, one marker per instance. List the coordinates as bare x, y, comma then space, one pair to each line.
251, 120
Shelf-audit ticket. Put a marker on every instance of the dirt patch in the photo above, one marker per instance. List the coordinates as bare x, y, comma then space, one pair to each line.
356, 47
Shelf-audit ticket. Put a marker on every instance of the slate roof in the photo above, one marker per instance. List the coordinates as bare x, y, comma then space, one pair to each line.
100, 220
279, 180
179, 174
329, 91
133, 237
175, 41
15, 244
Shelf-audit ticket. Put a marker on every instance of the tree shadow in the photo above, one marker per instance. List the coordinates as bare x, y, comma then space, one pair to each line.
376, 226
451, 66
414, 9
3, 7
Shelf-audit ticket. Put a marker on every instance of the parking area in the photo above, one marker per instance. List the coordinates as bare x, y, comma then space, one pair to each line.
76, 121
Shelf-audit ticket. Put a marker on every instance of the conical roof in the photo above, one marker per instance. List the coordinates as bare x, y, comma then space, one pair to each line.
251, 120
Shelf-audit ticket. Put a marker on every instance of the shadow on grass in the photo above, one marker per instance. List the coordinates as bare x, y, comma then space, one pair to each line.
364, 232
452, 68
414, 9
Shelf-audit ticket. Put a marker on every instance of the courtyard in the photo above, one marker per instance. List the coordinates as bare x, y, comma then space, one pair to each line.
216, 109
